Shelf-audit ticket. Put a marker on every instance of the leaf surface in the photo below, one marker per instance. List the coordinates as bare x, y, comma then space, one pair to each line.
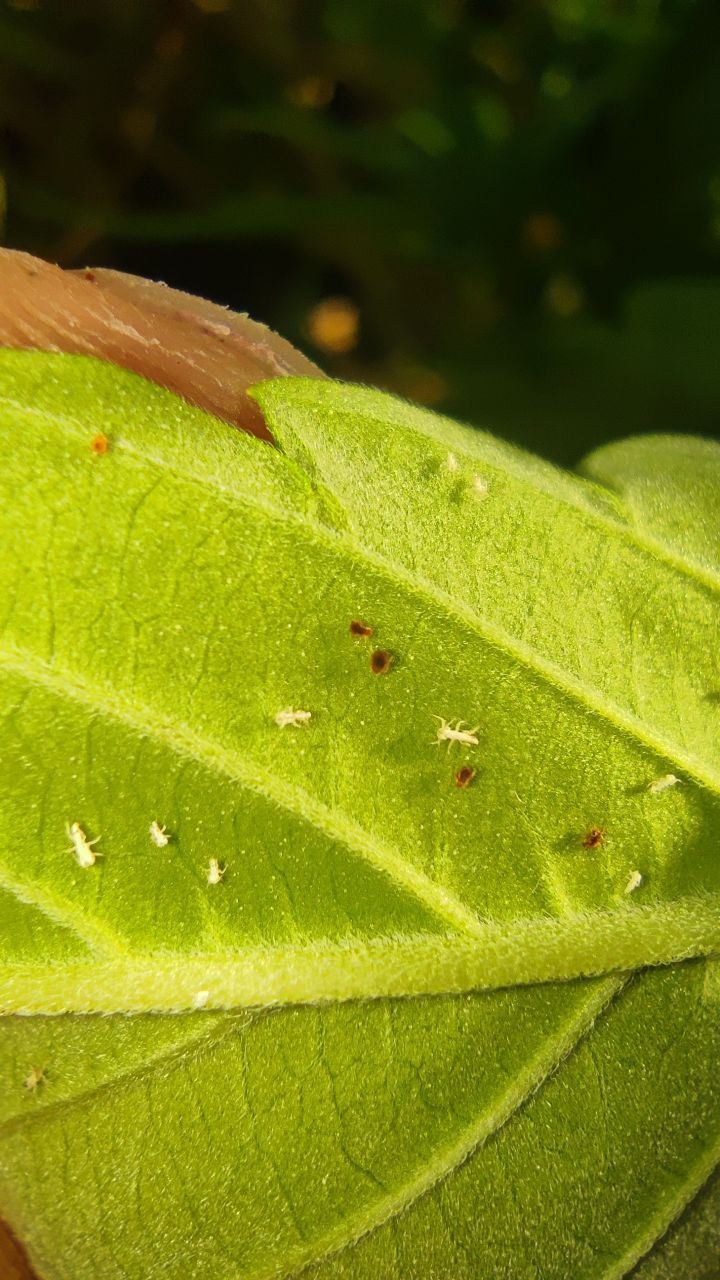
178, 593
161, 603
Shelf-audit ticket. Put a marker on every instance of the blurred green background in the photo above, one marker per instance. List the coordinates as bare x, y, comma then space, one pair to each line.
510, 212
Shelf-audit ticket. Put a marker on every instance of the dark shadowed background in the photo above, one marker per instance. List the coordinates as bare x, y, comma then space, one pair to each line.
507, 211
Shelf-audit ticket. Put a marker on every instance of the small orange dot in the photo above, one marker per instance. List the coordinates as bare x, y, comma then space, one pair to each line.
380, 662
360, 629
464, 776
594, 838
100, 443
333, 325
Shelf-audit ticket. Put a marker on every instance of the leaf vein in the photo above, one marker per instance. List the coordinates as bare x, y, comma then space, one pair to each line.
539, 1068
207, 1039
669, 1210
182, 740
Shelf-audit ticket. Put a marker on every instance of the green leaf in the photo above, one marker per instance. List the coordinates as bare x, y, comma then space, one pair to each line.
677, 500
160, 605
178, 593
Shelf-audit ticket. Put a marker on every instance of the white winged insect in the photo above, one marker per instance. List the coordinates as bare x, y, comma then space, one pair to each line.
290, 716
454, 732
160, 836
663, 784
215, 872
636, 879
82, 847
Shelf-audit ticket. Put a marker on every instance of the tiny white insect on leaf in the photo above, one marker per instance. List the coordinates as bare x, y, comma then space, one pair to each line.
85, 854
450, 733
159, 835
452, 463
663, 784
201, 999
215, 872
634, 882
290, 716
480, 486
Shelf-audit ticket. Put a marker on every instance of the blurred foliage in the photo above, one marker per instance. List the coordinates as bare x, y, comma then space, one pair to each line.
510, 211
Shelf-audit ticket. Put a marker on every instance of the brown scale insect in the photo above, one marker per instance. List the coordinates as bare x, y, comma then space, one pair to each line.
99, 444
360, 629
464, 776
594, 838
380, 662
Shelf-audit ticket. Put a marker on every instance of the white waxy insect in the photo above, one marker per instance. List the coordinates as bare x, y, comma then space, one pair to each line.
290, 716
449, 732
480, 486
663, 784
636, 879
159, 835
35, 1077
201, 999
451, 462
81, 846
215, 872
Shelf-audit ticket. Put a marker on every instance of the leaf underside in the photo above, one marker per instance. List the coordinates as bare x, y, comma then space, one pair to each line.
412, 1031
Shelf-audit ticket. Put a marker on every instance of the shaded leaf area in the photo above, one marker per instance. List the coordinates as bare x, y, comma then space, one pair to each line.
257, 1146
161, 603
690, 1249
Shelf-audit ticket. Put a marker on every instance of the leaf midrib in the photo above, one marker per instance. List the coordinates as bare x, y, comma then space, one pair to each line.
550, 673
337, 971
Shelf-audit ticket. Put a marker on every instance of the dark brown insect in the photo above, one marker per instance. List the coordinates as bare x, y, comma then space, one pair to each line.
99, 443
464, 776
594, 838
360, 629
380, 662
